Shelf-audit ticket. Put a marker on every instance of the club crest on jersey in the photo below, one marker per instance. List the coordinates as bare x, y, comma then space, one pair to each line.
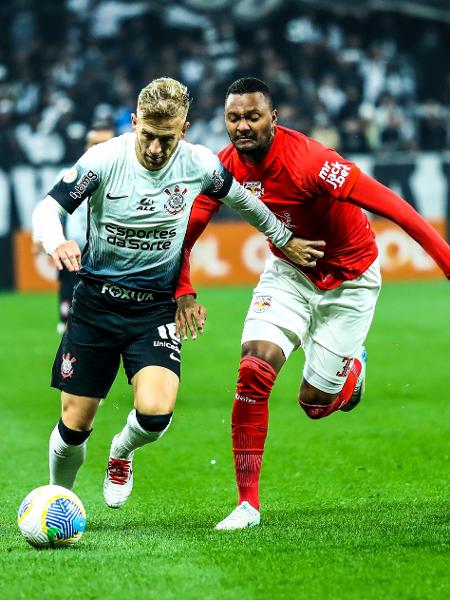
254, 187
262, 303
67, 365
176, 202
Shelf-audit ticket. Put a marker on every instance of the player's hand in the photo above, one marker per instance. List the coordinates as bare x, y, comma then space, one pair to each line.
304, 253
190, 316
67, 255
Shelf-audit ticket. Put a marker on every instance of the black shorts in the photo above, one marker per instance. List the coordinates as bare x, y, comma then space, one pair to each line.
107, 322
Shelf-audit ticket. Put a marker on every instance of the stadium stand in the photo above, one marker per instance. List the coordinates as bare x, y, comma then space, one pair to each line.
360, 83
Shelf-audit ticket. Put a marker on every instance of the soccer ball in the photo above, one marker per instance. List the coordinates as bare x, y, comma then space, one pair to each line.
51, 516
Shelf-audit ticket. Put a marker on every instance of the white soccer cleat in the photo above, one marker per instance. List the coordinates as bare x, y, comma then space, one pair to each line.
241, 517
118, 483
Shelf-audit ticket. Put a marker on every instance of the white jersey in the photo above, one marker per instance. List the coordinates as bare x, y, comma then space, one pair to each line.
138, 218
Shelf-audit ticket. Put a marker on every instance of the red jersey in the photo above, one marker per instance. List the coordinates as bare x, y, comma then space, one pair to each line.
305, 185
319, 196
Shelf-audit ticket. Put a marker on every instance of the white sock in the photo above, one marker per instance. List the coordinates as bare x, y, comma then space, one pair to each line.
134, 436
64, 460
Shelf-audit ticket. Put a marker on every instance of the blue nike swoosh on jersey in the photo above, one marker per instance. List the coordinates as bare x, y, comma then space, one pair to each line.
108, 195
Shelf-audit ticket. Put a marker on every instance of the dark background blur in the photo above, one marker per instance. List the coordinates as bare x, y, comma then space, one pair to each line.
359, 82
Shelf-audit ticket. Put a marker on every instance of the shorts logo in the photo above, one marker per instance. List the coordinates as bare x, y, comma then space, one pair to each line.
125, 294
345, 368
262, 303
176, 202
67, 366
254, 187
334, 174
169, 339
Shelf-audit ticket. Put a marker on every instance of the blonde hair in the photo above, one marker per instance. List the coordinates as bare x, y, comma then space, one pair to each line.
163, 98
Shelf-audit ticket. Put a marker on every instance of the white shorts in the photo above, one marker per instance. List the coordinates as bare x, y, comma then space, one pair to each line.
331, 325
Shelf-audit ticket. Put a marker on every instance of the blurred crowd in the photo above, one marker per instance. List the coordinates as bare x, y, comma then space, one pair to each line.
376, 83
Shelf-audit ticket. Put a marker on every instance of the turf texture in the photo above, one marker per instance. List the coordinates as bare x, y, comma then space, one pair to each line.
356, 506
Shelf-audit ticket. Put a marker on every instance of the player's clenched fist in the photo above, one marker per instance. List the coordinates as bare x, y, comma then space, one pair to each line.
190, 315
67, 254
304, 253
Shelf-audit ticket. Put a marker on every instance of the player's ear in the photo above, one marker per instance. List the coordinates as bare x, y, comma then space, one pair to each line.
133, 121
185, 128
274, 116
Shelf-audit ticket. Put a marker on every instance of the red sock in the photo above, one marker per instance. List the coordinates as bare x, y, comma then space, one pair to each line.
249, 424
318, 411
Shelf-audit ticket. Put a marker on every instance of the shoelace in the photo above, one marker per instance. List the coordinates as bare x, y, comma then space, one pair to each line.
119, 470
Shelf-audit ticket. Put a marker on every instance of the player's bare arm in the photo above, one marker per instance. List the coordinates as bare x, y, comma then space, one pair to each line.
304, 253
190, 316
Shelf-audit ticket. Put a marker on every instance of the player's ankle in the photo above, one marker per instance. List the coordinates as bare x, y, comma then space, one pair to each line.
252, 499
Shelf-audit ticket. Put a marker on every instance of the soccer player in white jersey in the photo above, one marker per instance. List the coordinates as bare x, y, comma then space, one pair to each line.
140, 188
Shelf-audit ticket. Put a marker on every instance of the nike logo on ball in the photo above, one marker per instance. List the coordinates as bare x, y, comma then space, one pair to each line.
108, 195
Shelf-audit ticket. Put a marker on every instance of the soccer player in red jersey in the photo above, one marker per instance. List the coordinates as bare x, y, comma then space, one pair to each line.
325, 307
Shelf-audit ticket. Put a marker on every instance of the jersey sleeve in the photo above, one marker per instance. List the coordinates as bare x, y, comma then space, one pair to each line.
80, 182
375, 197
217, 179
328, 172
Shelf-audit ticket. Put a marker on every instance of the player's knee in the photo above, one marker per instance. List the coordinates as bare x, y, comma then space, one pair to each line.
155, 391
256, 375
314, 402
254, 366
314, 411
78, 412
267, 352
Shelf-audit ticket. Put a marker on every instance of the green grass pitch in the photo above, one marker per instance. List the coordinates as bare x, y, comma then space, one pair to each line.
353, 507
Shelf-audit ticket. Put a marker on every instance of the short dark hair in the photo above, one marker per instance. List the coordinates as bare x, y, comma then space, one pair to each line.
249, 85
